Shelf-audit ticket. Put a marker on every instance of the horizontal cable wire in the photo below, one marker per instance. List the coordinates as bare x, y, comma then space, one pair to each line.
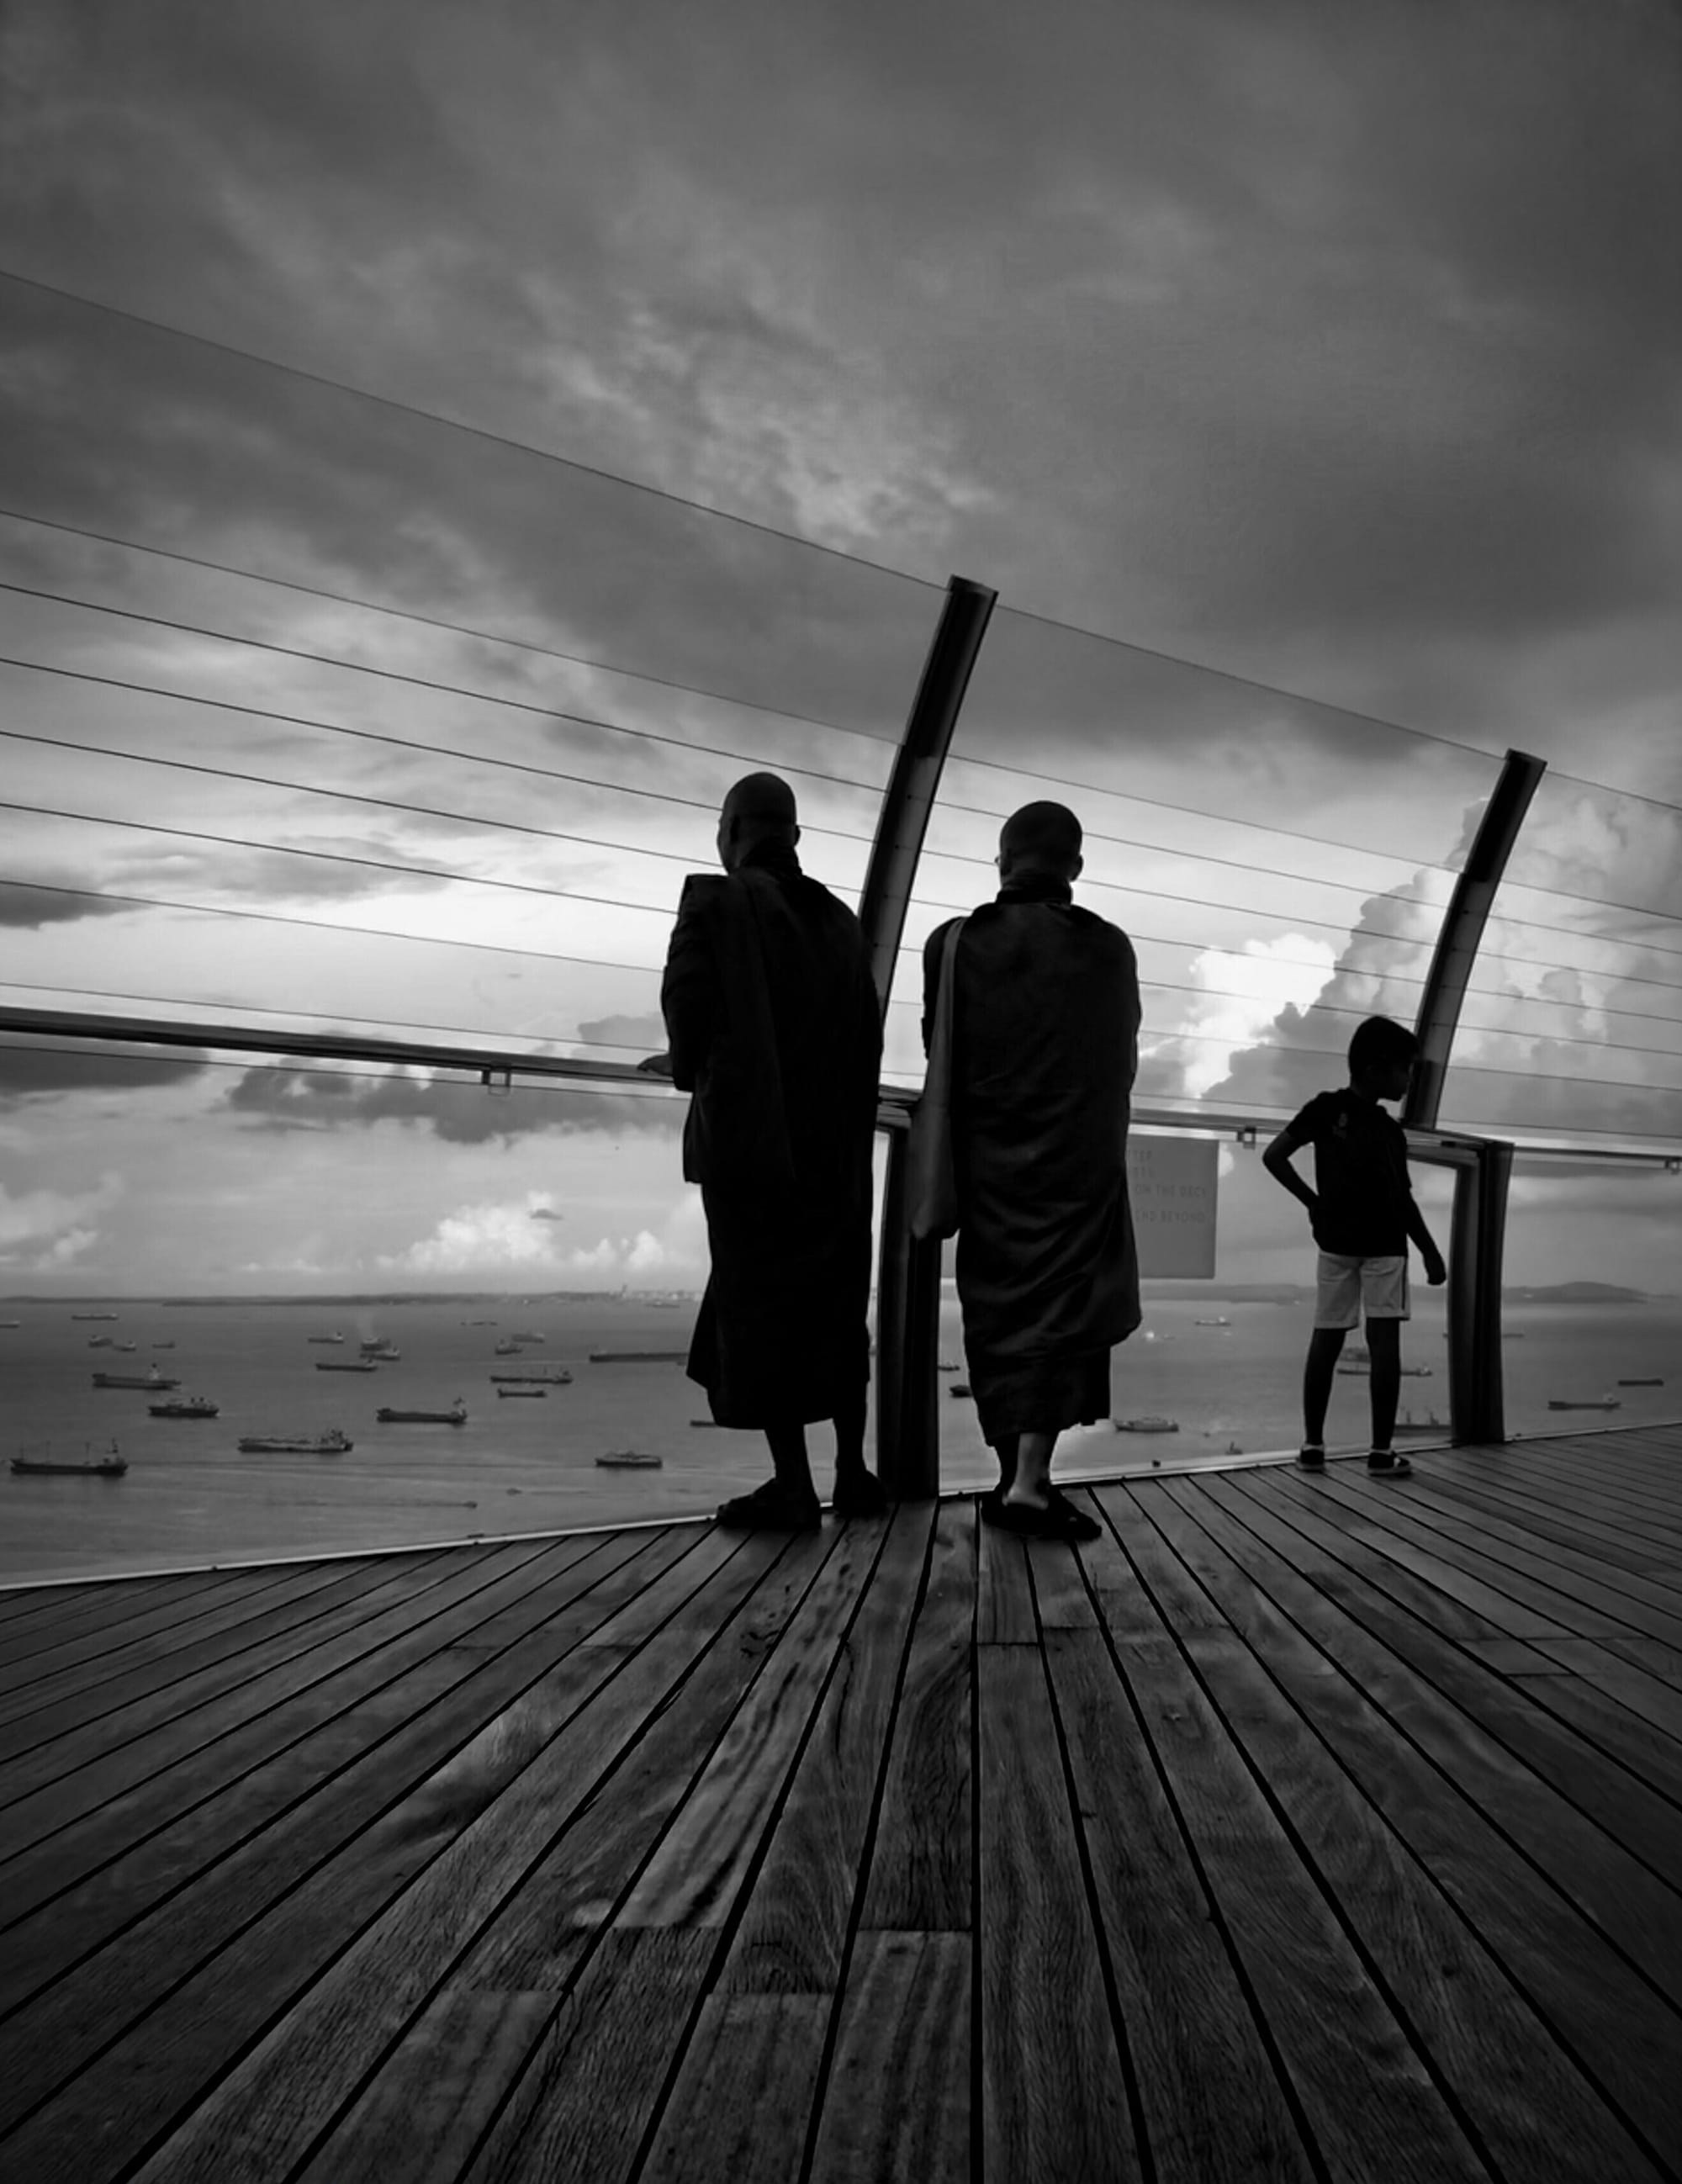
456, 425
432, 621
1394, 939
339, 857
413, 682
306, 1064
464, 629
403, 743
1147, 986
315, 1065
350, 1025
357, 796
334, 925
616, 728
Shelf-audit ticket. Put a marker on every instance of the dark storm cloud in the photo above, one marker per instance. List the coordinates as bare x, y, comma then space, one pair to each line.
31, 1074
459, 1114
37, 906
1331, 341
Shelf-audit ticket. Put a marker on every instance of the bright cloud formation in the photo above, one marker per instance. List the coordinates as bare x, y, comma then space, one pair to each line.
1245, 992
525, 1235
41, 1230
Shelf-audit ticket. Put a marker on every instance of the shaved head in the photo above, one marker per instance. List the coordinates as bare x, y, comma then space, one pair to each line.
1041, 838
760, 808
763, 799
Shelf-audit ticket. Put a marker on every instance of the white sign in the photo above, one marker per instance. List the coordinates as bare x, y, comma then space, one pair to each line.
1171, 1183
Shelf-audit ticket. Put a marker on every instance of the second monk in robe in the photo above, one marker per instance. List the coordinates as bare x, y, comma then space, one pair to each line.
776, 1031
1044, 1048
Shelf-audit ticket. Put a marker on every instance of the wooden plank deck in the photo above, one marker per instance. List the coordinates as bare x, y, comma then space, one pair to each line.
1301, 1828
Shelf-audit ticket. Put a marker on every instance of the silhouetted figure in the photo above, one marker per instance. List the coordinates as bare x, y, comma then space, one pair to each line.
776, 1030
1363, 1216
1045, 1047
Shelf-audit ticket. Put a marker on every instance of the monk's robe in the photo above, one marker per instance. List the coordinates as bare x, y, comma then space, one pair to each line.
776, 1031
1045, 1044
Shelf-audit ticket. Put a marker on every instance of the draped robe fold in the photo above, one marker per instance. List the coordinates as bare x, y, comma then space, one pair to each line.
1045, 1036
776, 1031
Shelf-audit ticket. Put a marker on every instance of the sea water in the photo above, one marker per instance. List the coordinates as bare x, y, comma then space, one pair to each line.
190, 1498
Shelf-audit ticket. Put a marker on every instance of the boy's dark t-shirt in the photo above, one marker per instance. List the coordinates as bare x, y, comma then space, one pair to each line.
1360, 1174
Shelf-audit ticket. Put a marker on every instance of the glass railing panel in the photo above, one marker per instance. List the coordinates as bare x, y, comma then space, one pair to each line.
1214, 1372
1281, 867
240, 1229
1591, 1307
368, 719
1573, 1032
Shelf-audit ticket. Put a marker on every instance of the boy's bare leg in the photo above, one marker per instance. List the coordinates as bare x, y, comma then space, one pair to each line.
1325, 1347
1032, 1484
1005, 1451
1384, 1345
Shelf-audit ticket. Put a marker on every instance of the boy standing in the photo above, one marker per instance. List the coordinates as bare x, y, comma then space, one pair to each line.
1363, 1218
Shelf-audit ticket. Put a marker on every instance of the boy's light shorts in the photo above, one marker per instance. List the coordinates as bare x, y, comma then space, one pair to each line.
1348, 1287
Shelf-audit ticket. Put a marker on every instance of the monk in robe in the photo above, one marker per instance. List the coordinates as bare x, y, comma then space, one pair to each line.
775, 1032
1045, 1047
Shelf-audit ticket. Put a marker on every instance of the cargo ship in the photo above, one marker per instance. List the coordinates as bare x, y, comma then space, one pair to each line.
333, 1442
186, 1406
456, 1415
152, 1377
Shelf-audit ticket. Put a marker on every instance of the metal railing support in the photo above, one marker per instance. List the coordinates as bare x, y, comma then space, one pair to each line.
908, 1271
1462, 930
1476, 1403
916, 778
1476, 1245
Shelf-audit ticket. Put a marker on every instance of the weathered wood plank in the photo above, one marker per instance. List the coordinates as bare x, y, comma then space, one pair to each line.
1514, 1513
1508, 1601
792, 1935
84, 1670
1604, 1790
412, 1856
1330, 2022
1643, 1693
1003, 1605
1572, 1574
200, 1738
683, 1685
85, 1629
1054, 2098
523, 1777
59, 1910
262, 1668
898, 2101
584, 2106
920, 1872
741, 2107
1492, 2049
1208, 2091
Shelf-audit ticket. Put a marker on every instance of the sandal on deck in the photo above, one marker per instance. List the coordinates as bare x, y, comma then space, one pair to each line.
862, 1495
1059, 1520
771, 1508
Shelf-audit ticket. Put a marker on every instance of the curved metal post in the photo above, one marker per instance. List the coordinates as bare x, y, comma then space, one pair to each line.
1476, 1395
908, 1271
916, 777
1462, 930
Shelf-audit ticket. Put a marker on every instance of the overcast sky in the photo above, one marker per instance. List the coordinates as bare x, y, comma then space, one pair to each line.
1334, 347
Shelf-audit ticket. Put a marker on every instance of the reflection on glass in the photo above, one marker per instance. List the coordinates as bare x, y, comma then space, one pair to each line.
259, 1236
1215, 1372
1590, 1311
